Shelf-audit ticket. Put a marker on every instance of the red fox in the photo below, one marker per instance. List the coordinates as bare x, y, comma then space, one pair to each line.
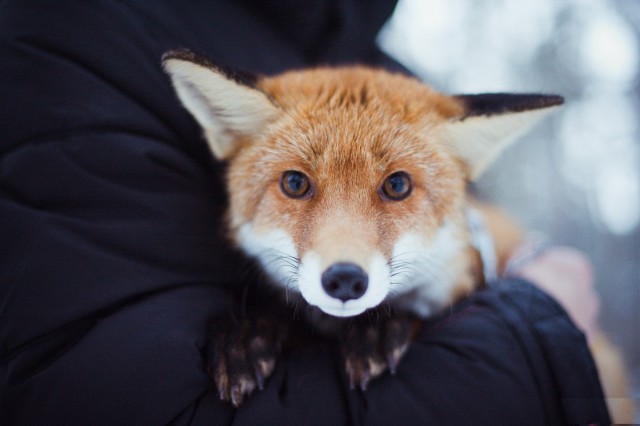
348, 186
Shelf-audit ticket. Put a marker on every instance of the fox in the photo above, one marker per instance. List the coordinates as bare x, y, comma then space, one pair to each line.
348, 186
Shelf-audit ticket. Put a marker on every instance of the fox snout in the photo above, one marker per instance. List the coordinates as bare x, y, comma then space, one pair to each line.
345, 281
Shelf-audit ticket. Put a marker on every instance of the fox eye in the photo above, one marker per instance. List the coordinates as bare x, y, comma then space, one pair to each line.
396, 186
294, 184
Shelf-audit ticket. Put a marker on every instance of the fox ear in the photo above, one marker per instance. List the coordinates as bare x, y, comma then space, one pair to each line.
490, 122
225, 104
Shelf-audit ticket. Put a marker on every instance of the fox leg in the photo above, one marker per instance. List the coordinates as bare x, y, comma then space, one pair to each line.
243, 355
370, 348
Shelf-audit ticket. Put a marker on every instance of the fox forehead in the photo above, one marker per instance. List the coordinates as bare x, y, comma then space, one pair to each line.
353, 117
347, 133
329, 88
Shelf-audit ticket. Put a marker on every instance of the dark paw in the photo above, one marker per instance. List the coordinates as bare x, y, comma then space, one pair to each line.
243, 355
371, 347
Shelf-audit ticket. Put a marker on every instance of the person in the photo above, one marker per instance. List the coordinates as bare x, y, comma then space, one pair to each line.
113, 264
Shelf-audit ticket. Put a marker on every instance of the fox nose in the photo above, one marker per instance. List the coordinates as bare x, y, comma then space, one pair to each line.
345, 281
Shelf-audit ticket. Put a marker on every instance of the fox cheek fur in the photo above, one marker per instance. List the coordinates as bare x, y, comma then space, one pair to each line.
310, 157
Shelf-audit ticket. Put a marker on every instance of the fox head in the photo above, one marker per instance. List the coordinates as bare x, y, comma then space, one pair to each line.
348, 184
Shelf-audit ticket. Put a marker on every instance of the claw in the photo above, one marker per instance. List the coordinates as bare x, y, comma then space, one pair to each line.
365, 377
244, 387
370, 349
259, 378
394, 356
223, 388
222, 394
236, 396
263, 369
392, 363
350, 374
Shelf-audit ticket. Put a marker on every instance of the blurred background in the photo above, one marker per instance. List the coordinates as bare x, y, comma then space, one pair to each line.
576, 177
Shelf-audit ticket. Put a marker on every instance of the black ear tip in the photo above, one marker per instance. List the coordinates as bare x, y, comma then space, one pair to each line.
501, 103
173, 54
186, 55
239, 76
546, 101
559, 100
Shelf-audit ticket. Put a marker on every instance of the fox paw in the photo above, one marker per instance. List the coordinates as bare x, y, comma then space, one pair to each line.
243, 355
370, 348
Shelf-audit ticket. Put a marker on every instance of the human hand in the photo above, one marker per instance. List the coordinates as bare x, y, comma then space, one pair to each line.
566, 274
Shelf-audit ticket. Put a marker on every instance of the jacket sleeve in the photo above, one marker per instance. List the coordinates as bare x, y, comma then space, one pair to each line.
510, 353
113, 262
112, 259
